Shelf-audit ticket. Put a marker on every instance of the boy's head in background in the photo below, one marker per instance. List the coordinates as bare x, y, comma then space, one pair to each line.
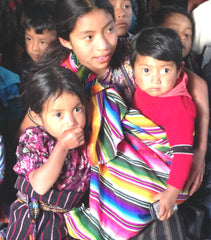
178, 19
39, 26
123, 15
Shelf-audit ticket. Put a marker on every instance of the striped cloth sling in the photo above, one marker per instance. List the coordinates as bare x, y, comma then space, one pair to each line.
130, 158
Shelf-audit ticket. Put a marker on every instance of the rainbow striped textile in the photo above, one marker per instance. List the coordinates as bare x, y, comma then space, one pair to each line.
131, 159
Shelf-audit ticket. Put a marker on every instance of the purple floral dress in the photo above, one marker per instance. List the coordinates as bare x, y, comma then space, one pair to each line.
34, 149
70, 190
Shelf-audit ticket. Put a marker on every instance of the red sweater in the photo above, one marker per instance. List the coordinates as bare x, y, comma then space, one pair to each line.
176, 114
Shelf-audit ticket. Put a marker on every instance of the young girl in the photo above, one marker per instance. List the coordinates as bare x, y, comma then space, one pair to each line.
52, 163
161, 84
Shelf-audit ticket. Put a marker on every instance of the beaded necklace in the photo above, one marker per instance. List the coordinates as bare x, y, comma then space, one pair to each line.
105, 75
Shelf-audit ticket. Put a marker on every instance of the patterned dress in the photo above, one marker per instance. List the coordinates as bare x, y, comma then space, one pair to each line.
41, 216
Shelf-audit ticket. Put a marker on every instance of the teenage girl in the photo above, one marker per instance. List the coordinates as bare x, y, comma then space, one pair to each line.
112, 154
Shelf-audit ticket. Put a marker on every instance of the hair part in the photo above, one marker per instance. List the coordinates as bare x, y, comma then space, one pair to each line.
49, 82
159, 43
68, 12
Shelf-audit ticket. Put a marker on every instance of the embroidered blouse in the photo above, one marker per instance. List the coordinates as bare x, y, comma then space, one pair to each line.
35, 146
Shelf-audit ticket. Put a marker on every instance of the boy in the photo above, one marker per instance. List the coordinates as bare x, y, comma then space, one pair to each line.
123, 76
39, 26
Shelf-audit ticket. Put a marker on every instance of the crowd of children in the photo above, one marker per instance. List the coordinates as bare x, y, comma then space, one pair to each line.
91, 171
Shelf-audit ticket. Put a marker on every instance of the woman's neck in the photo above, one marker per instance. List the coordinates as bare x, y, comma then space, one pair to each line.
105, 75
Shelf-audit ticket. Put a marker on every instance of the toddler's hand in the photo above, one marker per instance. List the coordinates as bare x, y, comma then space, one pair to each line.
167, 202
72, 138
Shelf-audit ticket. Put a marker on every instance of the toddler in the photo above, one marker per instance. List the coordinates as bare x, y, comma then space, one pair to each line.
161, 95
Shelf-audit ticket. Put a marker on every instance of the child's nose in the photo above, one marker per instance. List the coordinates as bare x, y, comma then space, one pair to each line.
35, 46
155, 79
182, 36
120, 12
70, 120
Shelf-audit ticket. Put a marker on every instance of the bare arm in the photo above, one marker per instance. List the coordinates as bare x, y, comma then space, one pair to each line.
199, 92
43, 178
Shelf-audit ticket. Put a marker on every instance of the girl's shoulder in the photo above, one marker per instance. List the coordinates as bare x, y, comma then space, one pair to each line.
35, 134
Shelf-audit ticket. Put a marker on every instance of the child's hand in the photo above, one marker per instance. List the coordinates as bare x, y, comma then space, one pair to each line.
71, 139
167, 201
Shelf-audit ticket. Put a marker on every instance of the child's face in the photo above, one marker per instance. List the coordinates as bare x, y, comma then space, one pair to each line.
123, 15
36, 44
62, 114
183, 26
93, 40
155, 77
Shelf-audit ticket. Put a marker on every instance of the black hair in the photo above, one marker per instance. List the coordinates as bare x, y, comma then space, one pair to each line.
177, 3
66, 15
68, 12
50, 81
159, 43
41, 16
158, 16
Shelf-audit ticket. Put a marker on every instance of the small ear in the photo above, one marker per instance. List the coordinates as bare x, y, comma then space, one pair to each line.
182, 65
65, 43
181, 68
35, 117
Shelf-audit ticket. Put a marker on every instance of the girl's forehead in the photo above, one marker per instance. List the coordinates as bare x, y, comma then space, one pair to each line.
89, 20
119, 1
96, 11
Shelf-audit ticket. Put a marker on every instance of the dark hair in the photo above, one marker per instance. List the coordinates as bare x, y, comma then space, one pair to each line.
41, 16
66, 15
159, 16
159, 43
68, 12
49, 82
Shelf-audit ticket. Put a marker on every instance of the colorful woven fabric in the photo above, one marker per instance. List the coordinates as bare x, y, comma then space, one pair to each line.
130, 158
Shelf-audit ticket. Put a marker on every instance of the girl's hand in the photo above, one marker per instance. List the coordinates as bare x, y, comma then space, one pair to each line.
196, 172
73, 138
43, 178
167, 201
